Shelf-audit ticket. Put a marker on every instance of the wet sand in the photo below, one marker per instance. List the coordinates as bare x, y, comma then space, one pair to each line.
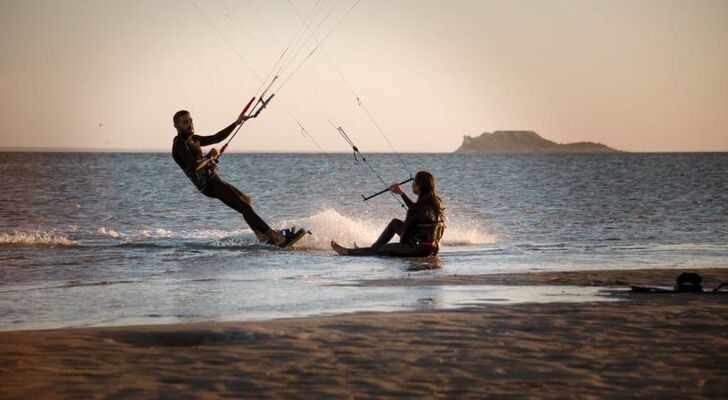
646, 346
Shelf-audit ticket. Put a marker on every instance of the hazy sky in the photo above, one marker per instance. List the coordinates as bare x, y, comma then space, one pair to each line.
635, 75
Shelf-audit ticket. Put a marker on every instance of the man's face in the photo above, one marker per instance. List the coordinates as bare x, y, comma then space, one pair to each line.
185, 125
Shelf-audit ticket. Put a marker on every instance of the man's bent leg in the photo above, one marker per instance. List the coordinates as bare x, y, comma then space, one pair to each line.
240, 202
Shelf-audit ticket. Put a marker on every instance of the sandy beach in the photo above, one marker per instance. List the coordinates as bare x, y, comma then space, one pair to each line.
644, 346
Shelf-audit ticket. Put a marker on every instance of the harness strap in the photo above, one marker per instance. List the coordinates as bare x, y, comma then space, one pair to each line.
438, 229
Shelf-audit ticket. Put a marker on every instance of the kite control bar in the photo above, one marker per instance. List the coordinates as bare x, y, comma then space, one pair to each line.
386, 190
263, 103
247, 106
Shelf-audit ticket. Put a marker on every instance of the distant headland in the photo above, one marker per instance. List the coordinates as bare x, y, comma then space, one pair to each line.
525, 142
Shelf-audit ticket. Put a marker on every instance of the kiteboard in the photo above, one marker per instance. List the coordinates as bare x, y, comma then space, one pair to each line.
671, 289
292, 236
652, 289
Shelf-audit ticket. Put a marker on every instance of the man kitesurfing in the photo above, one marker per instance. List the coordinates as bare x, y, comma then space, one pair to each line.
187, 152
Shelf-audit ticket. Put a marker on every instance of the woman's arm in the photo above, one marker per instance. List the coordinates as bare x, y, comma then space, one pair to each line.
396, 189
407, 200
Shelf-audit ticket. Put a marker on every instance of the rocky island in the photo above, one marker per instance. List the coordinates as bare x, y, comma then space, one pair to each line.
525, 142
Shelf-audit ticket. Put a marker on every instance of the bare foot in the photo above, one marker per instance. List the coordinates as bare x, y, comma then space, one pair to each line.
272, 236
262, 237
276, 237
339, 249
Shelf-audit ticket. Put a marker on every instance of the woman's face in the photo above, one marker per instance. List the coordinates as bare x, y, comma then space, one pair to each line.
415, 188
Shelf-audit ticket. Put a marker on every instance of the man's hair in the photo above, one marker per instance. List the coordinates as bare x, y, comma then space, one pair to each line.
179, 115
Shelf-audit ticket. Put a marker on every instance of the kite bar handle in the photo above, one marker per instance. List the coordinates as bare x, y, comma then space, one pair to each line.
242, 114
263, 104
386, 190
247, 106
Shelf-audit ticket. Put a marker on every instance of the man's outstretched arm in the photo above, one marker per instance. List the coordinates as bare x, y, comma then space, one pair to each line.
218, 137
223, 134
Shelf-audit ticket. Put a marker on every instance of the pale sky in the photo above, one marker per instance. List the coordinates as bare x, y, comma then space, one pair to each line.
646, 75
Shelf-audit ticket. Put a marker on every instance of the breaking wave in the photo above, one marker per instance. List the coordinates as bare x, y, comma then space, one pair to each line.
36, 238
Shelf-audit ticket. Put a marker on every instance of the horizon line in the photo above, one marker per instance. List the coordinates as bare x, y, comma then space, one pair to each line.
161, 151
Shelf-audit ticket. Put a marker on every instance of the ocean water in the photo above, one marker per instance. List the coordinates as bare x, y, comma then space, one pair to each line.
114, 239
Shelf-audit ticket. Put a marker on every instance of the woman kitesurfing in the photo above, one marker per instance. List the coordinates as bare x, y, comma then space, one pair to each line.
419, 233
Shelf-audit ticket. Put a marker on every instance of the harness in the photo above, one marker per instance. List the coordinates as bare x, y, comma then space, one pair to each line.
429, 235
199, 177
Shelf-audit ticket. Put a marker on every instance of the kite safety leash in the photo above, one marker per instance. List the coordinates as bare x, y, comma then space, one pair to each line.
262, 100
346, 137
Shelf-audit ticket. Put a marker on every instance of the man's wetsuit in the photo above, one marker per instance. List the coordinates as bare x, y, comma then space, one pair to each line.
420, 233
187, 152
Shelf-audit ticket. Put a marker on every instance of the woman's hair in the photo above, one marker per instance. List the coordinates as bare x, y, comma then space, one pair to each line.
426, 183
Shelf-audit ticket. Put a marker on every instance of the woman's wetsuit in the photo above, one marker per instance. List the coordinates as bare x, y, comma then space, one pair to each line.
419, 233
187, 152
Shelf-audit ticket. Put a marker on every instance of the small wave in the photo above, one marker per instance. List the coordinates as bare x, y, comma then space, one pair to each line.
108, 233
36, 238
145, 245
74, 284
68, 285
144, 235
243, 240
542, 247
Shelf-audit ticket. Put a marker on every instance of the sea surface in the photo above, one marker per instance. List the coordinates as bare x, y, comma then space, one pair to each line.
111, 239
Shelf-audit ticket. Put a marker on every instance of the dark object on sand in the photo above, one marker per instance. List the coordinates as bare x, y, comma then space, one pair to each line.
687, 282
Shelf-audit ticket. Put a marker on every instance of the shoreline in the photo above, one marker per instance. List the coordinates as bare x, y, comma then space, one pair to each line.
712, 277
647, 346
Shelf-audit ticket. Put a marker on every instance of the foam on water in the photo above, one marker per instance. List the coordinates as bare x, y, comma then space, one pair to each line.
163, 233
237, 239
462, 231
36, 238
103, 231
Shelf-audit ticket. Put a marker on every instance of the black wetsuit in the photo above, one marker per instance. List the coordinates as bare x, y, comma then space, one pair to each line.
187, 152
419, 233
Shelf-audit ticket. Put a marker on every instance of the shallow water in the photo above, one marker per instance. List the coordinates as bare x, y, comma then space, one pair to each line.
111, 239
